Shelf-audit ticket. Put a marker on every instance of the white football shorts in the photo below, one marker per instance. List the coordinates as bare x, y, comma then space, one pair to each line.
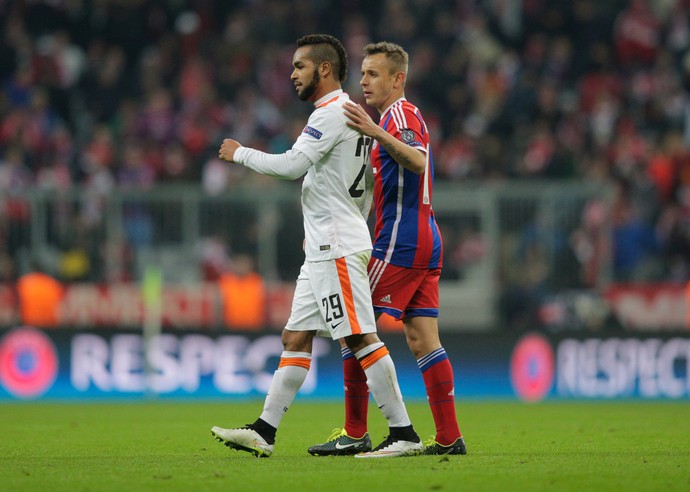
333, 297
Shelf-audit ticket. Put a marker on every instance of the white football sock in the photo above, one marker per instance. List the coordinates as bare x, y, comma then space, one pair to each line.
383, 383
286, 382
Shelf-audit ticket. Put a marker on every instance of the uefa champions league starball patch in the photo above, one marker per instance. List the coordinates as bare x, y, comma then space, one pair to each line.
407, 136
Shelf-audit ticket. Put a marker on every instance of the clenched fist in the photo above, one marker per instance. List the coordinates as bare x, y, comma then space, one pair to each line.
227, 149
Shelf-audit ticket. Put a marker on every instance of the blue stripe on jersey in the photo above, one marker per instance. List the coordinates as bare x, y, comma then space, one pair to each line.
430, 359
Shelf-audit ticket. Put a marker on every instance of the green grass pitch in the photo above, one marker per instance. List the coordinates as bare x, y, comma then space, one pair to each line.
166, 445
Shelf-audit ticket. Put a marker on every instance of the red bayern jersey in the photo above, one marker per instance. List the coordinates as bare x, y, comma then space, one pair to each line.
406, 233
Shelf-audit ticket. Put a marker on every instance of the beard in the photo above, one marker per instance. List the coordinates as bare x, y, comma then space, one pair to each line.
310, 89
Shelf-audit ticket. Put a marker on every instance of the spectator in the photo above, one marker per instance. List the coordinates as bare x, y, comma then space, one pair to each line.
634, 241
540, 89
590, 243
39, 296
15, 211
136, 174
243, 295
637, 34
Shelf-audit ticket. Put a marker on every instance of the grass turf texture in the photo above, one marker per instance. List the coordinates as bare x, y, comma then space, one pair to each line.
555, 446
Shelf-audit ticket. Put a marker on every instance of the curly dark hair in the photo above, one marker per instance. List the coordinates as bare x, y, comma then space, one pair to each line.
327, 48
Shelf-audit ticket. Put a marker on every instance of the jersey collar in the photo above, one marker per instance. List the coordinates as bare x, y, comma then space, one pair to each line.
383, 115
327, 98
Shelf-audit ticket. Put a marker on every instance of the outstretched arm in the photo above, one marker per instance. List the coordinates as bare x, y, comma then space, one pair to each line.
290, 165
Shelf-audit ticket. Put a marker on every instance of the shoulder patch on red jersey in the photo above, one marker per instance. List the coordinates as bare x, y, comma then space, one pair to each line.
407, 136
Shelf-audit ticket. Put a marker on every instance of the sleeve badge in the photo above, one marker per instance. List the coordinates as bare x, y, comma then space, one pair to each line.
407, 136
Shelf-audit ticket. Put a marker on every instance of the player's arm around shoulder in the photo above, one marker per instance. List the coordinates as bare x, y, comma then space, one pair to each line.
410, 158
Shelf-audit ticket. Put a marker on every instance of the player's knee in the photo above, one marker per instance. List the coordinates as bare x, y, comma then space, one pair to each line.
421, 345
357, 342
416, 347
297, 341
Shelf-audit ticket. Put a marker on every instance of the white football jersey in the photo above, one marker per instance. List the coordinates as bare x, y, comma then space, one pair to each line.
337, 190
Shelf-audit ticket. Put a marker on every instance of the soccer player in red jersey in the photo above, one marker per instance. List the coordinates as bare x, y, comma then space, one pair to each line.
407, 256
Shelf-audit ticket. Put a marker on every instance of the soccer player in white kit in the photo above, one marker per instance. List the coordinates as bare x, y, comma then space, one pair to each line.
332, 292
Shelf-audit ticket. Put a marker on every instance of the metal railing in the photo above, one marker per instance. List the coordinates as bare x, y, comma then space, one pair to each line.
498, 238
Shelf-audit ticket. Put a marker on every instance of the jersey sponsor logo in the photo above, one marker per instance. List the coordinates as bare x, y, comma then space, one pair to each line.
386, 298
324, 247
312, 132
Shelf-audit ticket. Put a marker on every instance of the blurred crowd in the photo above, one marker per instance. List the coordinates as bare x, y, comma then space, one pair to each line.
129, 94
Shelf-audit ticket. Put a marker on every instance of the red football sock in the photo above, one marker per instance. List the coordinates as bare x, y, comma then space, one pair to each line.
438, 379
356, 396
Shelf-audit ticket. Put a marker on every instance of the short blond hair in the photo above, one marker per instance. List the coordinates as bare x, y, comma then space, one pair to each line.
397, 57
